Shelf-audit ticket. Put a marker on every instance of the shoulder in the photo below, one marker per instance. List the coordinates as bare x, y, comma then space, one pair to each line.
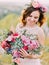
20, 28
40, 30
20, 25
45, 27
41, 35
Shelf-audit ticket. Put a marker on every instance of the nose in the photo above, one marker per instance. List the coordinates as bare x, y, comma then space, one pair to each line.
32, 19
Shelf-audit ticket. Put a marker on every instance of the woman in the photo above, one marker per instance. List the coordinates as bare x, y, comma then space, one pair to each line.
32, 16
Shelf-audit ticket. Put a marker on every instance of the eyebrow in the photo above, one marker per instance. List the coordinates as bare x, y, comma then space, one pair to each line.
34, 16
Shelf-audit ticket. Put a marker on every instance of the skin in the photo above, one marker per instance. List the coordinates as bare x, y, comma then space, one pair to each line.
32, 19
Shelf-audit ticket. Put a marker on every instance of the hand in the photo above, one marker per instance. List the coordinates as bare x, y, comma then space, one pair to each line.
23, 53
16, 61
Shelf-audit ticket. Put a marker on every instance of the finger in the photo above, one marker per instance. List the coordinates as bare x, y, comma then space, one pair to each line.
21, 51
21, 56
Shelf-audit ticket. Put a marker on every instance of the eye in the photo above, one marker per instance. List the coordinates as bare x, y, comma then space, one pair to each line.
30, 15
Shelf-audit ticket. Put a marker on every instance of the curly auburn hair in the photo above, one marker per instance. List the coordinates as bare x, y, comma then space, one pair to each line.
27, 13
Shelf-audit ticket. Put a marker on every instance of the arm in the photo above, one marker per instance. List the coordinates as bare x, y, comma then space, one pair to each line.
30, 56
41, 38
35, 56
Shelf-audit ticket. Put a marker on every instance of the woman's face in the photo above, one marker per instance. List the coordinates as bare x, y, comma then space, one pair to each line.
33, 18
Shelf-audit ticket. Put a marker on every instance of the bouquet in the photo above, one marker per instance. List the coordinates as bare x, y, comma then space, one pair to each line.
14, 42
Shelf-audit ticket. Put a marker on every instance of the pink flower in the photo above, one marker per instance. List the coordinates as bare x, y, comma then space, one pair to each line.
15, 54
25, 40
16, 35
13, 40
33, 44
5, 44
36, 4
44, 9
25, 48
9, 38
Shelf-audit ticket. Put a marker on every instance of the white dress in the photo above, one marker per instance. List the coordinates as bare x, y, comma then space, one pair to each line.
27, 61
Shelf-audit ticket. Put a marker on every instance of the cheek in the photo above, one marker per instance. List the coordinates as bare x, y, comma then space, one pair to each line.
36, 20
28, 19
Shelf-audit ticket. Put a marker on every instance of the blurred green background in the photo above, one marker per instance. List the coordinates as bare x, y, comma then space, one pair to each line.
10, 17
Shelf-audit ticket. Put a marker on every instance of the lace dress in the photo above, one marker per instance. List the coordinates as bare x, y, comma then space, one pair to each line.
32, 32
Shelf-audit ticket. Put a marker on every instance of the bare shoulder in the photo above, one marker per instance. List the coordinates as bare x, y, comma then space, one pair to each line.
19, 28
20, 25
40, 30
41, 35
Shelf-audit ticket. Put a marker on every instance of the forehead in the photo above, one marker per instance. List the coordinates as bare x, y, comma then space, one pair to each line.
35, 13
